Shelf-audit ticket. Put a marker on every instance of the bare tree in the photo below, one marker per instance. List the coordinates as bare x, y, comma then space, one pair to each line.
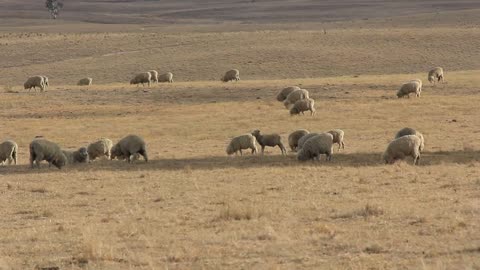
53, 7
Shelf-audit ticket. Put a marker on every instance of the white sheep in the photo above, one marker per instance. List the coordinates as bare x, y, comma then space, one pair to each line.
316, 146
142, 78
408, 145
8, 151
304, 138
271, 140
85, 81
41, 149
154, 75
295, 136
410, 131
338, 135
246, 141
231, 75
295, 96
167, 77
102, 147
282, 95
413, 86
77, 156
128, 147
303, 105
435, 75
34, 82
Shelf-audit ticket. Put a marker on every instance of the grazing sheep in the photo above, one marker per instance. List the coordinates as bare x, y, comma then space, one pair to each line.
316, 146
8, 150
338, 135
413, 86
102, 147
128, 146
408, 145
295, 96
34, 82
295, 136
85, 81
302, 106
231, 75
41, 149
282, 95
410, 131
78, 156
238, 143
167, 77
435, 75
304, 138
269, 140
154, 75
142, 78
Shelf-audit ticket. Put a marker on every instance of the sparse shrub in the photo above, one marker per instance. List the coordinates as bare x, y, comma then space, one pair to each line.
373, 249
238, 212
367, 211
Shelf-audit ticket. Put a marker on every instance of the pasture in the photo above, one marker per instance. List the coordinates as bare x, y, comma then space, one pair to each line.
192, 206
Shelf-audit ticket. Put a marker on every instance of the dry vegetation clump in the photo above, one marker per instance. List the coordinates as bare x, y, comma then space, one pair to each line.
367, 211
237, 211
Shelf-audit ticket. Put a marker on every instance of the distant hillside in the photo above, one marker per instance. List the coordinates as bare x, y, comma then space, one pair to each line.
243, 11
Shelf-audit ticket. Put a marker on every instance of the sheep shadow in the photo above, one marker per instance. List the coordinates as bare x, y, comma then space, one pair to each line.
339, 159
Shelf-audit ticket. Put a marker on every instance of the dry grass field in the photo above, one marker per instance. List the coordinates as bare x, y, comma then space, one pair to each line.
192, 206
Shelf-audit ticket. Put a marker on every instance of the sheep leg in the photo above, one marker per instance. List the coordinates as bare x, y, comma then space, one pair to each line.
284, 151
143, 152
263, 149
241, 154
32, 159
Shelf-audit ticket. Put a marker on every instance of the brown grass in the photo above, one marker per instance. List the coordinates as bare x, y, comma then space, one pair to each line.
193, 207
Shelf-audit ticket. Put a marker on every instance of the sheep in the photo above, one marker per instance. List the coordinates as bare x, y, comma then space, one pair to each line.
295, 136
34, 82
154, 75
41, 149
246, 141
435, 75
413, 86
269, 140
338, 135
128, 146
85, 81
410, 131
102, 147
408, 145
304, 138
282, 95
78, 156
294, 96
231, 75
303, 105
8, 150
316, 146
142, 78
167, 77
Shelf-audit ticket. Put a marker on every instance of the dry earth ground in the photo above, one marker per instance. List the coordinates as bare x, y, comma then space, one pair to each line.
191, 206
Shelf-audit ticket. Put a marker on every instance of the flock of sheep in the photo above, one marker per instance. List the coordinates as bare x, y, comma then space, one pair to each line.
128, 148
309, 146
143, 78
